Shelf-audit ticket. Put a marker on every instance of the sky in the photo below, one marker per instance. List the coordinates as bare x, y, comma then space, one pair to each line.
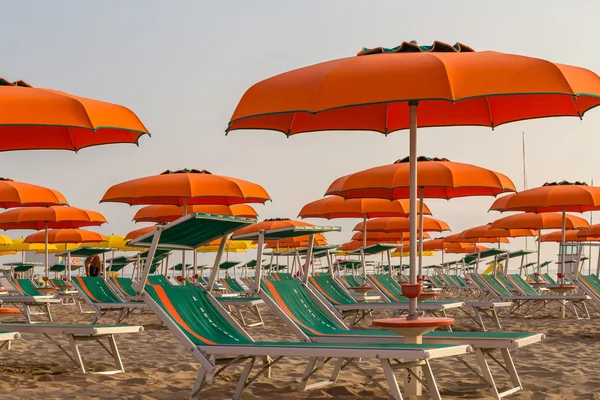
182, 66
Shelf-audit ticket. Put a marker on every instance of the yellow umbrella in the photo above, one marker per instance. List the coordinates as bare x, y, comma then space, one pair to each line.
426, 253
19, 245
61, 247
115, 242
232, 246
5, 240
7, 253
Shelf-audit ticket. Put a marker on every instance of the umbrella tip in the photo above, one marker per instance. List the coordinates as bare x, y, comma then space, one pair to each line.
414, 42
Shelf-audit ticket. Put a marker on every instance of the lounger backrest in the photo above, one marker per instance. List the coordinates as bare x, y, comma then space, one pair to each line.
292, 298
191, 310
26, 286
125, 285
58, 282
391, 289
331, 290
507, 282
495, 286
524, 286
352, 281
549, 279
96, 289
591, 282
159, 280
459, 279
437, 281
232, 285
281, 276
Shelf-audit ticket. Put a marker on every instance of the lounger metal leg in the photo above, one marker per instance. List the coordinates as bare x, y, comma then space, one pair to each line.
479, 318
76, 353
198, 384
267, 361
336, 370
496, 318
512, 371
434, 392
115, 353
391, 379
243, 378
487, 373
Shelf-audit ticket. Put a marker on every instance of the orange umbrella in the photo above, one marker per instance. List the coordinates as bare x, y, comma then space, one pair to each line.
165, 214
381, 89
570, 236
139, 232
441, 244
486, 231
34, 119
557, 196
402, 224
592, 231
438, 178
384, 236
269, 224
500, 203
18, 194
66, 236
466, 250
540, 222
457, 238
186, 187
55, 217
337, 207
358, 244
295, 240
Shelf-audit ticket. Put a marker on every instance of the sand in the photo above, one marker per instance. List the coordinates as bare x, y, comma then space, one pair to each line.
565, 366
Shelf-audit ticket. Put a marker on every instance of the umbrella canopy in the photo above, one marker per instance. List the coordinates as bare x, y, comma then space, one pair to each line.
54, 217
467, 249
116, 243
500, 203
66, 236
570, 236
164, 214
384, 236
459, 238
4, 240
592, 231
373, 91
426, 253
139, 232
270, 224
556, 196
540, 221
337, 207
401, 224
61, 248
382, 90
19, 245
438, 178
358, 244
18, 194
186, 187
232, 246
295, 242
486, 231
34, 118
442, 244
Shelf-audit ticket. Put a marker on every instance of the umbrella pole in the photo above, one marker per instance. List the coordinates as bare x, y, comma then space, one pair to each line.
412, 304
562, 248
539, 265
402, 251
362, 251
104, 266
309, 254
329, 264
421, 232
215, 271
68, 266
46, 250
259, 255
389, 258
195, 265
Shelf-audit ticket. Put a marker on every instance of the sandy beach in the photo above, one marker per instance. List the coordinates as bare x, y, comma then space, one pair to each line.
157, 366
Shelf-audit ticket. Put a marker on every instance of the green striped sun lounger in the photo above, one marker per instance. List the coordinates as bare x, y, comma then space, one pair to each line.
30, 301
77, 334
102, 299
312, 321
549, 279
124, 286
590, 284
158, 280
341, 301
352, 281
530, 304
232, 285
202, 326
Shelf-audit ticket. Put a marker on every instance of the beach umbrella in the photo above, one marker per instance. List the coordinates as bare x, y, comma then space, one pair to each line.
231, 246
5, 240
467, 249
19, 245
163, 214
437, 177
540, 222
358, 244
570, 236
66, 236
557, 196
19, 194
53, 217
334, 207
486, 231
383, 236
401, 225
139, 232
115, 243
411, 86
457, 238
426, 253
184, 188
35, 118
61, 247
592, 231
